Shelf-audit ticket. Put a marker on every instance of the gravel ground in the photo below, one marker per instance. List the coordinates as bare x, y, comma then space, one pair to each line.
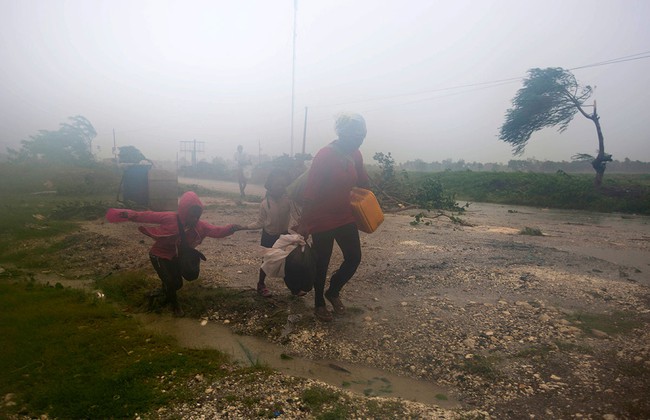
515, 326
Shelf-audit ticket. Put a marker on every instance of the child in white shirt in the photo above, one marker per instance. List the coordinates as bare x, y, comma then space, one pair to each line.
273, 217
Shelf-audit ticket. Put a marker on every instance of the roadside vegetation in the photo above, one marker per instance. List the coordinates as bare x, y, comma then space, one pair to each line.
618, 193
77, 354
453, 191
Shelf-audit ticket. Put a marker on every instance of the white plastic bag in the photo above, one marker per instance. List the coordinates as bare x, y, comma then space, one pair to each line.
274, 258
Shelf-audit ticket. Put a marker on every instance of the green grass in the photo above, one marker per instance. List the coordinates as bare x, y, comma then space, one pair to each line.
42, 201
39, 178
569, 347
130, 289
531, 231
70, 355
613, 324
538, 351
619, 193
330, 404
482, 366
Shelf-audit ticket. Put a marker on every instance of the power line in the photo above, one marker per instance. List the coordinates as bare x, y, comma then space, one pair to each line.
632, 57
379, 98
493, 83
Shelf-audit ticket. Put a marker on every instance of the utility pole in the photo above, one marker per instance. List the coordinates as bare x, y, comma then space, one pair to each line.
304, 133
192, 147
293, 70
115, 152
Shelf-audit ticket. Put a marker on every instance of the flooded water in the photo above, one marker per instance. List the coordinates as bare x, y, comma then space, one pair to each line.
621, 239
191, 333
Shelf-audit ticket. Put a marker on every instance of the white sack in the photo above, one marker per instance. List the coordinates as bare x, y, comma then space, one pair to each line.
274, 258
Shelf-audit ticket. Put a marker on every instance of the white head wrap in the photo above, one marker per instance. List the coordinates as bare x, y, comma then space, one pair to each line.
349, 123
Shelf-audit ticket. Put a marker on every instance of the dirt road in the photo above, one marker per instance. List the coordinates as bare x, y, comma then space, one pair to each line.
552, 326
224, 186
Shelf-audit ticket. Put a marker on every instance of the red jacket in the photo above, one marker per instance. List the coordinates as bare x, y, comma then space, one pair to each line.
332, 176
167, 239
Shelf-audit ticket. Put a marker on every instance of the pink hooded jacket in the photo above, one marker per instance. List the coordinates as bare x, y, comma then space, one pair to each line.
167, 239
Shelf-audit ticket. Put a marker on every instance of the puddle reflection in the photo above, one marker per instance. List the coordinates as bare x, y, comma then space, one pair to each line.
191, 333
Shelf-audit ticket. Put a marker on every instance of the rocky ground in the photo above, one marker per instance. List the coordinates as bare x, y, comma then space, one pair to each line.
515, 326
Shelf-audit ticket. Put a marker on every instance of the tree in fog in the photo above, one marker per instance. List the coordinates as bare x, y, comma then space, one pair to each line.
551, 97
70, 144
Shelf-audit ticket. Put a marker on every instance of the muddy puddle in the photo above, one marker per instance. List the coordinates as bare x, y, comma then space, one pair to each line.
200, 334
192, 333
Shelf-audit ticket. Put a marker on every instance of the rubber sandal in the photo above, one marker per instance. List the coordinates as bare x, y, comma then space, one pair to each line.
337, 305
263, 291
300, 293
178, 312
322, 314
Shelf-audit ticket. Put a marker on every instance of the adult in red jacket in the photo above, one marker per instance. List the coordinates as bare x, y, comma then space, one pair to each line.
327, 214
164, 251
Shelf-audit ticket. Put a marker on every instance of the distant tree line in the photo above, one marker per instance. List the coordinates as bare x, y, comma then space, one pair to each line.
70, 144
626, 166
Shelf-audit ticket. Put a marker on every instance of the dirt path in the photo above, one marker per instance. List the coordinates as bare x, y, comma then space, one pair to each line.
553, 326
223, 186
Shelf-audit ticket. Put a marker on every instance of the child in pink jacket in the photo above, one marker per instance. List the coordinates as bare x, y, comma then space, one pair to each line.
164, 251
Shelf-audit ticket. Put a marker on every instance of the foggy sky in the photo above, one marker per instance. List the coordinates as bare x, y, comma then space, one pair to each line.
161, 72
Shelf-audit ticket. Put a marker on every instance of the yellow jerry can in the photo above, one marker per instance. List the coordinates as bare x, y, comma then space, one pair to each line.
366, 210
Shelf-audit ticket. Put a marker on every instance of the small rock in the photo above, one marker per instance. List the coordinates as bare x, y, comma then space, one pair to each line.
523, 304
555, 378
469, 343
404, 303
599, 333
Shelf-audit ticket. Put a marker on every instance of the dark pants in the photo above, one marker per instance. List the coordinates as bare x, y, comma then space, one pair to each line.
169, 272
347, 238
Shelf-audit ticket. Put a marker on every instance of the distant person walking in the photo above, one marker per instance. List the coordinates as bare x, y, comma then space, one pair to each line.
327, 214
242, 160
167, 236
